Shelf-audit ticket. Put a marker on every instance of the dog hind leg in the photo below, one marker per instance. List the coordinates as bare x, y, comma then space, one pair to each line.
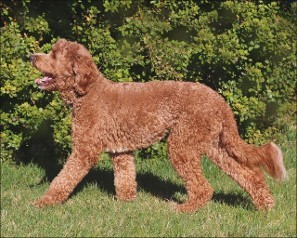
251, 180
186, 160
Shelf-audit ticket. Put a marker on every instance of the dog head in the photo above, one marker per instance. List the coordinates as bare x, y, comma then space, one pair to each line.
68, 66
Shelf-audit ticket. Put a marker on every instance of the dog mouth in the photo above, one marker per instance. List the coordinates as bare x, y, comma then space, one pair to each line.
45, 81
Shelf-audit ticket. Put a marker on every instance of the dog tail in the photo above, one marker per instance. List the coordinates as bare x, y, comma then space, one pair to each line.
268, 156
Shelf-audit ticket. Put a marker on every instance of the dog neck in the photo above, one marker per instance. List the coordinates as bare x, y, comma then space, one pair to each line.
69, 97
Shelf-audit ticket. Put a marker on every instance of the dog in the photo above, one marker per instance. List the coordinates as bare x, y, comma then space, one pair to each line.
120, 118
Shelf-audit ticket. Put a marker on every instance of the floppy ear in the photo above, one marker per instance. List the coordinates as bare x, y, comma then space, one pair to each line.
85, 72
59, 45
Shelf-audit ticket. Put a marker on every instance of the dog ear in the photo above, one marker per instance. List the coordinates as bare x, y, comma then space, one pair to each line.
85, 73
59, 45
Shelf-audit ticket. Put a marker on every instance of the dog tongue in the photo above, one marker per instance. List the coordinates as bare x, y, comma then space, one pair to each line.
43, 80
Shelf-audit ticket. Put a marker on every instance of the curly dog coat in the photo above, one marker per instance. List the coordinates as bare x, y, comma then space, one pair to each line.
121, 117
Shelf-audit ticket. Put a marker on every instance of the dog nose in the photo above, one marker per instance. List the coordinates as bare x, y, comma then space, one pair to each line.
32, 58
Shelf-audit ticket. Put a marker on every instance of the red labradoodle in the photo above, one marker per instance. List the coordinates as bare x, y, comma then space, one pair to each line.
121, 117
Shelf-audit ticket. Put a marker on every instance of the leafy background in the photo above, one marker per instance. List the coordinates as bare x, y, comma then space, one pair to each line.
245, 50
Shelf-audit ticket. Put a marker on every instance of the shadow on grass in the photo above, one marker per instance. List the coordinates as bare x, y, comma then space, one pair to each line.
102, 177
147, 182
40, 150
157, 187
233, 200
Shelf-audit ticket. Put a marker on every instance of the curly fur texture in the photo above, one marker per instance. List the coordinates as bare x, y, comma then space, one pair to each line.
121, 117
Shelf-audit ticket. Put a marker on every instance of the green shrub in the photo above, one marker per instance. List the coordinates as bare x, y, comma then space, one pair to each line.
24, 108
243, 49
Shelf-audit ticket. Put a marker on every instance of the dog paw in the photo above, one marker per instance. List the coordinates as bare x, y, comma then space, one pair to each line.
268, 206
185, 208
45, 201
264, 203
126, 198
188, 206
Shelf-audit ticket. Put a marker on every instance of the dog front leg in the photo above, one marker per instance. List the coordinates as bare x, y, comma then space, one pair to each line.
124, 176
74, 170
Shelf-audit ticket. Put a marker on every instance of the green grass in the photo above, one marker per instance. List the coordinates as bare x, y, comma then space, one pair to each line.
93, 211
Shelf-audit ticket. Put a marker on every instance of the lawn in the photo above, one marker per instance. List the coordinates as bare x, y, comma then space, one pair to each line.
93, 211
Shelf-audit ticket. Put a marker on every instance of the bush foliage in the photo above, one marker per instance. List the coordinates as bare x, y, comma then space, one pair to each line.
243, 49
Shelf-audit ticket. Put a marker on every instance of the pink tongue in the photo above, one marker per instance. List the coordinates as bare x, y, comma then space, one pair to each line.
42, 80
37, 81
